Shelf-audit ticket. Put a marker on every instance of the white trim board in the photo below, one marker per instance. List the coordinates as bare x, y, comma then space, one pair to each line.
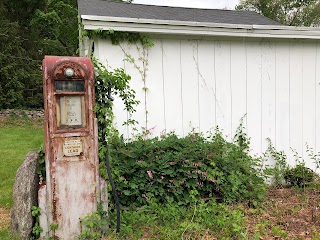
198, 28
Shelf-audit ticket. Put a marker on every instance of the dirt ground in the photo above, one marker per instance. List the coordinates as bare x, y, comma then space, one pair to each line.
287, 213
4, 218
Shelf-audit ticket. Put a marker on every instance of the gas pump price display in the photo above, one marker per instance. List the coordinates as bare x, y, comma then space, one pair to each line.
71, 110
70, 107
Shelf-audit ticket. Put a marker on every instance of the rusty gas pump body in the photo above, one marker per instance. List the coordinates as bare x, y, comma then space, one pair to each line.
72, 185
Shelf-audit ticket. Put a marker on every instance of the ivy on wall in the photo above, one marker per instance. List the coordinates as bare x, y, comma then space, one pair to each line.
142, 43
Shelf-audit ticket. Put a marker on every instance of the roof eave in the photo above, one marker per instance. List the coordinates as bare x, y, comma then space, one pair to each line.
92, 22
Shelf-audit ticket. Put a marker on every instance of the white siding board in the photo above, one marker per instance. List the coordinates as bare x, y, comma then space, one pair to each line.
137, 86
254, 96
238, 85
155, 97
172, 86
113, 58
223, 87
309, 101
200, 84
268, 93
282, 108
296, 99
317, 103
190, 86
207, 91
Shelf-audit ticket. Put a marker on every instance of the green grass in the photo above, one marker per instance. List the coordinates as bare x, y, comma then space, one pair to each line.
6, 235
17, 138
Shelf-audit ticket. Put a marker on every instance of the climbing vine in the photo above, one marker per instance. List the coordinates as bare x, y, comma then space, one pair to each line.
142, 43
109, 84
117, 37
142, 68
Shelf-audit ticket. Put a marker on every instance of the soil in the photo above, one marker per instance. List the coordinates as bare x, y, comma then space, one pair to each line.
287, 213
4, 218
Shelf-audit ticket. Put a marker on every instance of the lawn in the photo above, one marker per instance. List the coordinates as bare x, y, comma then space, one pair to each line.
18, 136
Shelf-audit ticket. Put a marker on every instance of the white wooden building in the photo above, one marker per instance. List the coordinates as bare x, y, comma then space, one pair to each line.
210, 68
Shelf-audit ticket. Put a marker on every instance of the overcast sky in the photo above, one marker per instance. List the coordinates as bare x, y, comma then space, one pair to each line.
217, 4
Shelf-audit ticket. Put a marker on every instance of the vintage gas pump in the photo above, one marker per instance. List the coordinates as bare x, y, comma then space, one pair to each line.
72, 187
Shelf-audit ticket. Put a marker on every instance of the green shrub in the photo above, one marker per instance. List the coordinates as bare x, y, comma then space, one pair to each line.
299, 175
172, 169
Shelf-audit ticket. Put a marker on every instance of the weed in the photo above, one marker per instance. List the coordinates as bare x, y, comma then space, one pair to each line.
299, 175
313, 156
36, 230
170, 221
277, 170
278, 232
42, 166
92, 227
95, 225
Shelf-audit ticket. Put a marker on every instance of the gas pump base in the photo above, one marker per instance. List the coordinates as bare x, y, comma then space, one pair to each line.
45, 213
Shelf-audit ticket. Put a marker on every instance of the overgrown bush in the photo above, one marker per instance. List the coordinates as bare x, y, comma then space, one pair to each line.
172, 169
299, 175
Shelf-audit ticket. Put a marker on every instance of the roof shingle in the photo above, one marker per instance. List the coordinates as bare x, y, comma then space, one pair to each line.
138, 11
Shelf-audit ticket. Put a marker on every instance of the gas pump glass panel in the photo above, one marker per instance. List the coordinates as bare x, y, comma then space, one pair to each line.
70, 112
70, 86
70, 104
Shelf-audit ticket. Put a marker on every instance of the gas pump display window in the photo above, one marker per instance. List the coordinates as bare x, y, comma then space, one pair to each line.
69, 86
70, 112
70, 104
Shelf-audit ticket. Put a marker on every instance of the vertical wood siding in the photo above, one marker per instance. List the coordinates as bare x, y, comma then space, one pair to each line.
201, 84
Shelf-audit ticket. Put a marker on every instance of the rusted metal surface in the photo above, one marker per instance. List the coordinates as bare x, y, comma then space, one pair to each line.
43, 218
71, 187
104, 194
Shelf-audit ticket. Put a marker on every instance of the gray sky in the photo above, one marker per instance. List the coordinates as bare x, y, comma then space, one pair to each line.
217, 4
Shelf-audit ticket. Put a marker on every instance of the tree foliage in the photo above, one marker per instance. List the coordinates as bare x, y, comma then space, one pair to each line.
22, 11
57, 27
17, 70
288, 12
29, 30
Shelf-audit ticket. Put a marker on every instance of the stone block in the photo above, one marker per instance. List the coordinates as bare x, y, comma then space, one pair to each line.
25, 195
